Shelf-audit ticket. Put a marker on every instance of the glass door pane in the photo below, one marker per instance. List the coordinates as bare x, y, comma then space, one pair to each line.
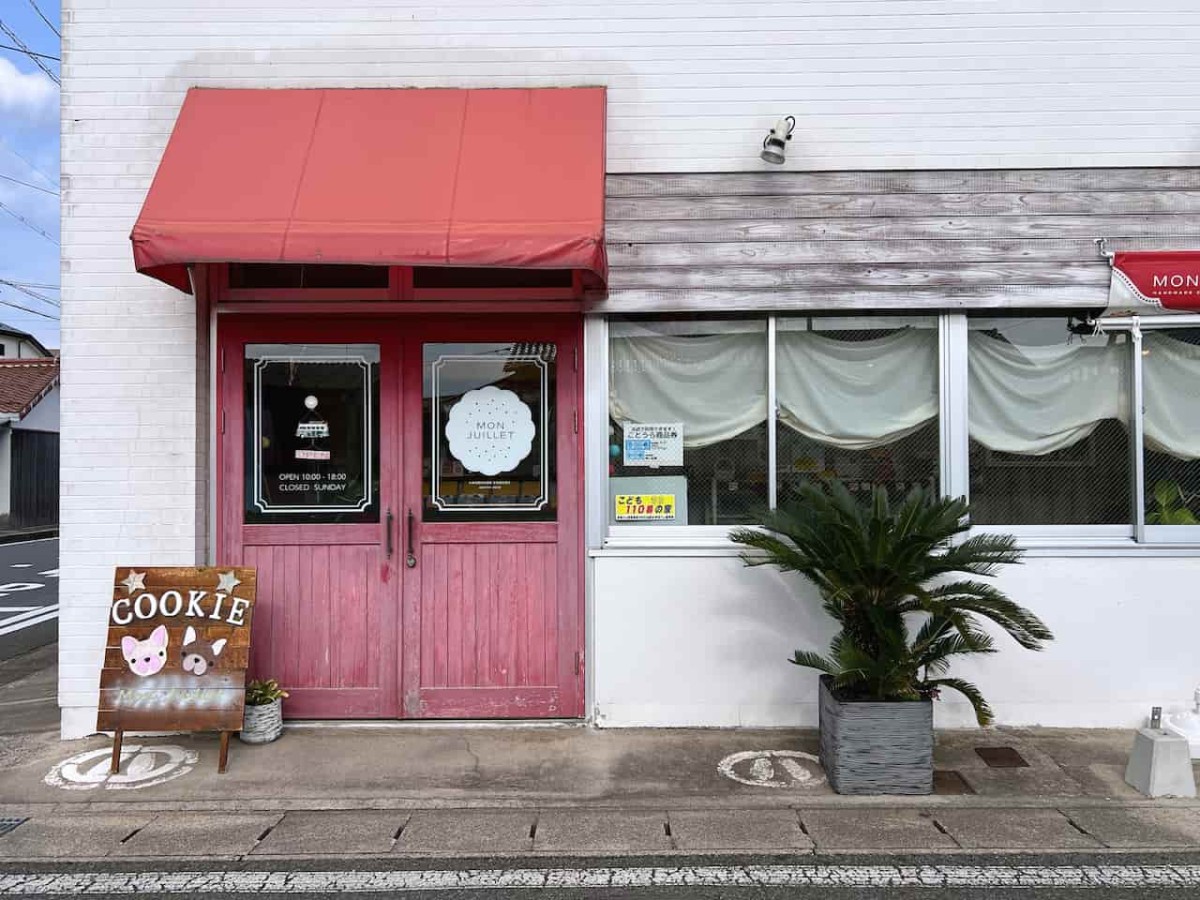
489, 426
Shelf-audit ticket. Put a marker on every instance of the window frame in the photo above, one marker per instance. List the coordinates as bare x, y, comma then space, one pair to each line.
602, 534
954, 450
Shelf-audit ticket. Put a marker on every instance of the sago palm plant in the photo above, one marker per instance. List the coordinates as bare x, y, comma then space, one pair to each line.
890, 576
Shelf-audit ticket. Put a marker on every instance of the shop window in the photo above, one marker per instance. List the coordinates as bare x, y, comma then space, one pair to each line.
858, 402
687, 432
306, 275
312, 433
1047, 418
489, 425
1171, 426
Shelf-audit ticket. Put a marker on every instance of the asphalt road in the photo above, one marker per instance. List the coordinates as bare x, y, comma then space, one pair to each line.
28, 596
1066, 877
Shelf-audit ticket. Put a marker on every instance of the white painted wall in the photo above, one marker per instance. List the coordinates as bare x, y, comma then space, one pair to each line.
703, 641
44, 416
18, 348
694, 84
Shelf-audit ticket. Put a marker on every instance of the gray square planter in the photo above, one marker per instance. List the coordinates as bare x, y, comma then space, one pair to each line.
869, 747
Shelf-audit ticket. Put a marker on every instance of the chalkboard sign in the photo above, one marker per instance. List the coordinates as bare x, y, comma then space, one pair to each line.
177, 652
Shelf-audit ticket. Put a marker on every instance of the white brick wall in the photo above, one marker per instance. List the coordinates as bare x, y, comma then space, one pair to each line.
693, 87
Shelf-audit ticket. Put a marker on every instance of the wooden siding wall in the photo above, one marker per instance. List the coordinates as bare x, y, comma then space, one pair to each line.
886, 240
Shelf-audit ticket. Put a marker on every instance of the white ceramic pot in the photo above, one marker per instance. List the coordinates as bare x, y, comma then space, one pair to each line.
262, 724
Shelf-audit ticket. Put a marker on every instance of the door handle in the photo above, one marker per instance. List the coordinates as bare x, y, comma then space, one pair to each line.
390, 517
411, 561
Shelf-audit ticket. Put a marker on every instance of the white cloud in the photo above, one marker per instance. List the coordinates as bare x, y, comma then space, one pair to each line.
30, 95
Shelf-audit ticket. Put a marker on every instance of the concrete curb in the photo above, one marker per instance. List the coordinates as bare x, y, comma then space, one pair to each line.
109, 807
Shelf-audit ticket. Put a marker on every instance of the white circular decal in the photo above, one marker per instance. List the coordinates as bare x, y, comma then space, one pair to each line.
490, 430
140, 767
773, 769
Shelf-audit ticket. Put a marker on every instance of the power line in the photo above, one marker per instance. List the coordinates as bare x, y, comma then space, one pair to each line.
34, 284
34, 56
36, 312
46, 178
12, 36
20, 218
34, 294
29, 185
49, 24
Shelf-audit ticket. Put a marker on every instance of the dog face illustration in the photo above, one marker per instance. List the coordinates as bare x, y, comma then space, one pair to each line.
199, 656
146, 657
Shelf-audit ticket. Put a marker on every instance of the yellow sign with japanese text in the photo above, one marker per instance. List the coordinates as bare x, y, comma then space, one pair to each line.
645, 507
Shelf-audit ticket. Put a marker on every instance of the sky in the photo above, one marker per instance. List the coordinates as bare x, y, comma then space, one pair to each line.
29, 129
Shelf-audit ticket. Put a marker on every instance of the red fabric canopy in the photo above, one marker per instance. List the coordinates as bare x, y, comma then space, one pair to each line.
510, 178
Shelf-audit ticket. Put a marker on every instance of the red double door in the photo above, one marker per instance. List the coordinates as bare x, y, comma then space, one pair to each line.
410, 491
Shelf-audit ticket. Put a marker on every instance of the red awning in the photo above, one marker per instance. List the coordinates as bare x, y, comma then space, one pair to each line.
1155, 281
509, 178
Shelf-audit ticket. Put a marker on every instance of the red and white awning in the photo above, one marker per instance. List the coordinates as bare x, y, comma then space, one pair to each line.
1154, 282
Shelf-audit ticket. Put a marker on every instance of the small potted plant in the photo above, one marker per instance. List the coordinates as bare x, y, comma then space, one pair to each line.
887, 574
262, 721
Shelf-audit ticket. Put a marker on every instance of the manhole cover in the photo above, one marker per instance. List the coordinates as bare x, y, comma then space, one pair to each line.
773, 769
7, 824
948, 781
1001, 757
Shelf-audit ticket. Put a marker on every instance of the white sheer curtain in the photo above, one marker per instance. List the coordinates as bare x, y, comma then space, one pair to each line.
1035, 400
1030, 400
1171, 395
857, 394
716, 385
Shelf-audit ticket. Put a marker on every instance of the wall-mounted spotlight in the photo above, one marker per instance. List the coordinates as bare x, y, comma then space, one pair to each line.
775, 143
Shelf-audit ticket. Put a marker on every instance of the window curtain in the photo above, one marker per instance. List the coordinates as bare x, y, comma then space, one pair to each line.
857, 395
862, 394
1171, 395
716, 385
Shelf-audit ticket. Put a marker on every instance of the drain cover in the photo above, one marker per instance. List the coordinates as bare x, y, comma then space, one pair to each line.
8, 824
1002, 757
948, 781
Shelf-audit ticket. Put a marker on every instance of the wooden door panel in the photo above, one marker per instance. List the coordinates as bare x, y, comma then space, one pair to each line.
492, 607
490, 615
318, 632
328, 629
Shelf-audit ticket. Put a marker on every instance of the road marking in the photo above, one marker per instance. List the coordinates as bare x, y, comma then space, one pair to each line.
25, 620
293, 882
773, 769
19, 608
141, 766
21, 566
50, 573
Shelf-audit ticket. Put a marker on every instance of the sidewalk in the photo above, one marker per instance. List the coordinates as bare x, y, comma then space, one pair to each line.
556, 791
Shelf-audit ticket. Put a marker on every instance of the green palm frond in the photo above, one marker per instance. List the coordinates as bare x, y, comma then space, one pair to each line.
983, 712
891, 574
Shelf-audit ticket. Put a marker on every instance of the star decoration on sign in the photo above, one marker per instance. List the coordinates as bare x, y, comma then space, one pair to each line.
227, 582
134, 581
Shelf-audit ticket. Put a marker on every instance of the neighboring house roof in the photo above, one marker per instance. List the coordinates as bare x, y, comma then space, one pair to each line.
24, 382
24, 336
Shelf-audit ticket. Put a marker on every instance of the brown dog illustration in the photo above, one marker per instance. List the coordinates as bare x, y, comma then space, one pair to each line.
200, 656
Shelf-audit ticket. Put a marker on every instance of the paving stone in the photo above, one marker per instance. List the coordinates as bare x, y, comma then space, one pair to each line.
1140, 826
468, 832
601, 831
69, 837
333, 833
873, 829
198, 834
738, 829
1013, 829
1035, 781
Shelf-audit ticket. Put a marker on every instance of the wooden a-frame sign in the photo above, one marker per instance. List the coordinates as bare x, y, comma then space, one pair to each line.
177, 652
